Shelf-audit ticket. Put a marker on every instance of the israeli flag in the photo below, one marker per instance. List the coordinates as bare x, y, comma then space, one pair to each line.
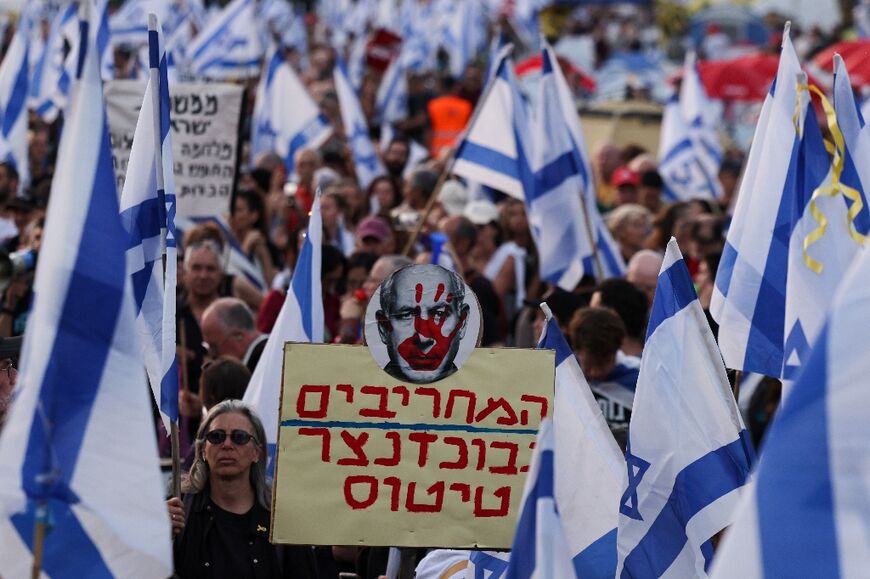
703, 117
129, 24
148, 215
556, 214
463, 34
589, 464
688, 453
391, 100
365, 158
496, 150
281, 128
830, 221
680, 164
300, 320
230, 46
749, 296
14, 72
540, 548
850, 120
805, 512
50, 79
78, 450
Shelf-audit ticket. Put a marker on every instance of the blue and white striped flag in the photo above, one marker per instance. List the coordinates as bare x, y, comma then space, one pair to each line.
703, 117
51, 79
365, 158
230, 46
78, 450
463, 34
688, 453
805, 512
851, 121
391, 101
749, 296
830, 221
148, 215
281, 128
680, 159
540, 549
300, 320
129, 24
496, 150
14, 78
589, 464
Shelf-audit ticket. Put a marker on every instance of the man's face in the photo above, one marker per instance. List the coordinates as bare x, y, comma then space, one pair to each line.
595, 369
202, 272
423, 331
396, 157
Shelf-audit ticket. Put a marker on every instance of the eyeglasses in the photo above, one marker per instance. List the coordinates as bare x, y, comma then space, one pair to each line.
238, 437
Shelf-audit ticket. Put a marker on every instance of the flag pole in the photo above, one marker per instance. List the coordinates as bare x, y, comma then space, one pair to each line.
154, 84
39, 538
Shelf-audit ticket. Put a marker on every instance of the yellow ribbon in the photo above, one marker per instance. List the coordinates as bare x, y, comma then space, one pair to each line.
838, 150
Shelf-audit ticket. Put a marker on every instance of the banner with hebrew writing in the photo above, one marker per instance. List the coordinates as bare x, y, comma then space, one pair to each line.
205, 140
366, 460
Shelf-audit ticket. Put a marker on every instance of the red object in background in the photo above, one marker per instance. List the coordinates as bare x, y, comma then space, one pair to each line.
856, 57
381, 48
533, 64
745, 78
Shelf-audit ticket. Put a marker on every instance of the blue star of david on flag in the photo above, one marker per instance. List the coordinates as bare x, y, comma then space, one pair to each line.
637, 467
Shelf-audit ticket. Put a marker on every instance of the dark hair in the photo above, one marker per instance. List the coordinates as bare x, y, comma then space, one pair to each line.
598, 331
11, 170
330, 258
424, 180
256, 204
397, 195
364, 259
262, 177
223, 379
651, 178
629, 302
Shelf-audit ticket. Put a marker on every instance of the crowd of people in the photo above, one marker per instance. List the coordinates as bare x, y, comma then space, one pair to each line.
368, 233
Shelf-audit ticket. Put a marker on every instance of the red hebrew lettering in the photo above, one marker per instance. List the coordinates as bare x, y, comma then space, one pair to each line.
493, 404
301, 406
348, 391
403, 392
396, 438
462, 449
481, 452
355, 444
451, 400
464, 490
511, 466
424, 439
325, 437
524, 414
395, 485
436, 489
526, 467
504, 493
436, 398
349, 497
381, 411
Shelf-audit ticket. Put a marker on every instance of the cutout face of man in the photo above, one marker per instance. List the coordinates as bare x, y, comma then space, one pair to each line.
422, 321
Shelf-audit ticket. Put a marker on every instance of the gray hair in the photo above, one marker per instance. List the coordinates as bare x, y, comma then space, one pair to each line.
424, 180
197, 479
233, 314
388, 291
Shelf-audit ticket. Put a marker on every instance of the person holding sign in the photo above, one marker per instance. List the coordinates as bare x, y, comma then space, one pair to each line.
221, 524
422, 321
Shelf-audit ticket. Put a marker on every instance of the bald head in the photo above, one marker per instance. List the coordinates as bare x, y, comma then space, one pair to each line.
228, 327
643, 271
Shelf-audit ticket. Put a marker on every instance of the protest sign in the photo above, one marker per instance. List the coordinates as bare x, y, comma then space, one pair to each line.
205, 135
365, 460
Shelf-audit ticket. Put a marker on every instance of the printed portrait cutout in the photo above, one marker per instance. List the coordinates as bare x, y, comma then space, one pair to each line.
422, 323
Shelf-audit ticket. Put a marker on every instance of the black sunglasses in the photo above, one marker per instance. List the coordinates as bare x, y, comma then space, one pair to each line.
238, 437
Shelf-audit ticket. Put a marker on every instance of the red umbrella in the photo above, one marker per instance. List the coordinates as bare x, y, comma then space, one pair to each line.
745, 78
532, 65
856, 57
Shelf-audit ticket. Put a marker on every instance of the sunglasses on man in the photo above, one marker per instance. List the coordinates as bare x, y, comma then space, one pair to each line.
238, 437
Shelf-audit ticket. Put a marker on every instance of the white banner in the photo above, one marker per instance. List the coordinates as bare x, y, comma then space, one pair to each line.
205, 136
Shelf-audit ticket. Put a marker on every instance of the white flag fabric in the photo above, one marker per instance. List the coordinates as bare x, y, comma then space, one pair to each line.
748, 300
79, 444
703, 117
805, 512
688, 454
14, 86
391, 101
230, 46
51, 80
300, 320
365, 158
148, 215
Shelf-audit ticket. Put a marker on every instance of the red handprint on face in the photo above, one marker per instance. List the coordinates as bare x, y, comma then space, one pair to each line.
426, 349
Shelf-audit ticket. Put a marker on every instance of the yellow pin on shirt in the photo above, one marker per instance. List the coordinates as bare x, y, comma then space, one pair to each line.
262, 529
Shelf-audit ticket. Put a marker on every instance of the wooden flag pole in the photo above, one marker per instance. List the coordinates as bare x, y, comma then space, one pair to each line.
39, 538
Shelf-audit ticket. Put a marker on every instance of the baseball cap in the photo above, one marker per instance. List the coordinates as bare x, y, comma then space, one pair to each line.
373, 227
624, 176
481, 212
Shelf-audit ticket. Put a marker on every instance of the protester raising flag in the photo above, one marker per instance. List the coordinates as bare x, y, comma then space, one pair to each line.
148, 215
78, 452
230, 46
589, 464
365, 159
687, 454
300, 320
748, 301
14, 72
805, 512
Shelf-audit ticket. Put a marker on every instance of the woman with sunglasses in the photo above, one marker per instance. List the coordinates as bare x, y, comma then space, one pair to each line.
221, 523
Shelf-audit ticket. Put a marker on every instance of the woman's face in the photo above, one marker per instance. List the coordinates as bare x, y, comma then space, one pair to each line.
243, 218
633, 232
228, 460
385, 194
328, 211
